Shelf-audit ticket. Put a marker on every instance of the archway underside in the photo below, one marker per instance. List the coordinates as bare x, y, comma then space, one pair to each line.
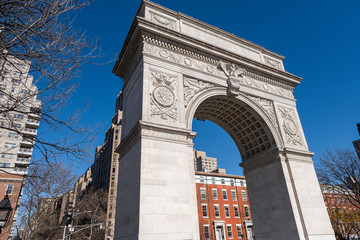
240, 121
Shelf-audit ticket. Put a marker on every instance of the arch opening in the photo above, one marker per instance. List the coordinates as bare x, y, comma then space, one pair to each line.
246, 127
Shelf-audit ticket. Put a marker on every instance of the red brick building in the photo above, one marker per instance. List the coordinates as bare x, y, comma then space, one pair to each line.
10, 185
223, 207
344, 215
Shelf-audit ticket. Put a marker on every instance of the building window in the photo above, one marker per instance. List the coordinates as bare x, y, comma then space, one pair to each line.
112, 192
113, 170
18, 116
7, 155
213, 181
10, 145
246, 208
114, 163
17, 73
224, 192
112, 184
215, 195
239, 232
229, 231
206, 232
9, 189
217, 210
242, 183
112, 177
202, 180
111, 199
243, 194
222, 181
233, 195
227, 212
232, 182
15, 81
203, 193
16, 125
236, 211
4, 165
204, 210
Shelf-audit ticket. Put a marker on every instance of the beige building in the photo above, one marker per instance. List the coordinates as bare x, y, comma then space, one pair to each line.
204, 163
105, 167
81, 185
19, 121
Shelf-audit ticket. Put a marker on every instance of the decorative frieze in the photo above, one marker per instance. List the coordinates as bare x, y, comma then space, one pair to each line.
172, 52
192, 87
290, 127
163, 99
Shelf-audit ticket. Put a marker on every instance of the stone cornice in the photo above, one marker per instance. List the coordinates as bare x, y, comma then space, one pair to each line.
209, 27
149, 130
177, 42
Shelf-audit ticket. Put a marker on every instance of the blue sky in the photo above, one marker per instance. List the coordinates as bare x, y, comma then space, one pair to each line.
319, 39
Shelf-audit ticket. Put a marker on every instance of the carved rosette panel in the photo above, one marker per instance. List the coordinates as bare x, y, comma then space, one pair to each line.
162, 98
268, 108
290, 128
192, 87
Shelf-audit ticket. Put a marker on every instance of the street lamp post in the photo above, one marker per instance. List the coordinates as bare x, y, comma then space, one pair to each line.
5, 210
70, 218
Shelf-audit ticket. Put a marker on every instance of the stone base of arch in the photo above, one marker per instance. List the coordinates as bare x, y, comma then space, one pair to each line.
285, 192
156, 191
157, 199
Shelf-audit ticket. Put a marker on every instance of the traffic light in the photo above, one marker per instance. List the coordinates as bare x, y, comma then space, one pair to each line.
69, 218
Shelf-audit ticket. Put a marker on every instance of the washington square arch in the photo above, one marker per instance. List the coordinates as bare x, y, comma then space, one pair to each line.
176, 68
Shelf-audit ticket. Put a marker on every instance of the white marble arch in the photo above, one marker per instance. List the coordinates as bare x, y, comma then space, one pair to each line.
175, 68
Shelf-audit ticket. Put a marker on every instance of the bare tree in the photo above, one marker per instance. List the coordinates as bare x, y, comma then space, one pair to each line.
39, 211
341, 168
93, 205
40, 33
339, 171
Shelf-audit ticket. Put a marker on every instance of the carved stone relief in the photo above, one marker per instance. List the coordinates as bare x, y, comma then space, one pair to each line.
272, 63
268, 108
192, 87
162, 20
290, 127
195, 61
234, 76
163, 99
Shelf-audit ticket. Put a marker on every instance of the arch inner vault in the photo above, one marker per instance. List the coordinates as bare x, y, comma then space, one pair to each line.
175, 68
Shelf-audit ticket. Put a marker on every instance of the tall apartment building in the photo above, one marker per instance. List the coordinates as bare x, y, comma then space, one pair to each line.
82, 185
203, 163
223, 207
105, 167
19, 120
